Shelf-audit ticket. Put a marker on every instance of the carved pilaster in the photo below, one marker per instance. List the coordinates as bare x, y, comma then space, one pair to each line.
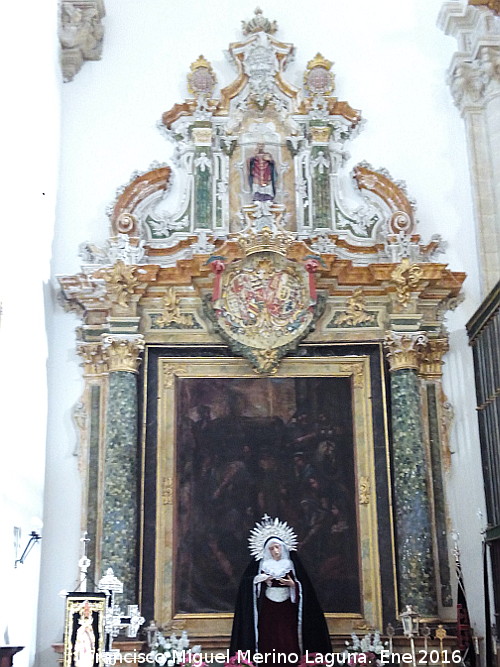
431, 359
93, 359
403, 349
80, 34
122, 352
474, 80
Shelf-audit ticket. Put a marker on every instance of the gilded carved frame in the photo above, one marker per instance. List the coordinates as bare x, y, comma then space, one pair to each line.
357, 368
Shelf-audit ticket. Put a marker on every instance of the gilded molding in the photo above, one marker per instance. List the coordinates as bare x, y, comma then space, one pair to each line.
431, 359
364, 491
167, 492
93, 358
123, 352
403, 349
81, 34
447, 415
406, 278
170, 372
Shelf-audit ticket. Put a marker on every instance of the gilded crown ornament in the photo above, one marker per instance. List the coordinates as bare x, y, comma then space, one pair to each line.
318, 79
267, 528
201, 78
264, 231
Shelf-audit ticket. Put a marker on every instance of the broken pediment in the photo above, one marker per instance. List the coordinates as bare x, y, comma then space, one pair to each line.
303, 136
261, 163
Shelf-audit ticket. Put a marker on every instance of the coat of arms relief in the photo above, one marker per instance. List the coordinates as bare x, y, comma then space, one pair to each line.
259, 193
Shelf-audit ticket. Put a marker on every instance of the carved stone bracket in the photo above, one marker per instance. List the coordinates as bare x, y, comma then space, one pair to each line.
80, 34
123, 352
404, 349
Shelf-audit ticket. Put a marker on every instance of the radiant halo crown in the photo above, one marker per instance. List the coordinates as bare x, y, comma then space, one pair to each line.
267, 528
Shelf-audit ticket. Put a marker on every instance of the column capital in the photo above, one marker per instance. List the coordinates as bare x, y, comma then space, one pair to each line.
123, 351
93, 358
431, 359
403, 348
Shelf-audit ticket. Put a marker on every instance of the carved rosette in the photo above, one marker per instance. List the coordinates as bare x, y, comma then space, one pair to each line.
403, 349
123, 352
431, 360
93, 359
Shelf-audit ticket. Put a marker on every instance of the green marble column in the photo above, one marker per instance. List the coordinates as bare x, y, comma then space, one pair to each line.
414, 530
120, 502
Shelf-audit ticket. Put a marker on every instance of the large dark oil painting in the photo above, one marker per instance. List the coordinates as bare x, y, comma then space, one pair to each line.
246, 447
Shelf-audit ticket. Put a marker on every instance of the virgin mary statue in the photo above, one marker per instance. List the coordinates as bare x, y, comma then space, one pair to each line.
276, 608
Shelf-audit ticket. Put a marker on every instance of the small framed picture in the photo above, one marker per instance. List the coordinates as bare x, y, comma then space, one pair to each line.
84, 629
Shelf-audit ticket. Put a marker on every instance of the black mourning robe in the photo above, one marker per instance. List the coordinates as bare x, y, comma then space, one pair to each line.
315, 636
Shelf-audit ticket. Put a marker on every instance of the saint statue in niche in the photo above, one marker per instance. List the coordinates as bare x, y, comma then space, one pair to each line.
262, 175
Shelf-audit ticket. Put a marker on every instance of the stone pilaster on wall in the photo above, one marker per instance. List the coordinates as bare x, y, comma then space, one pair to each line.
474, 80
80, 34
119, 539
91, 434
431, 364
414, 530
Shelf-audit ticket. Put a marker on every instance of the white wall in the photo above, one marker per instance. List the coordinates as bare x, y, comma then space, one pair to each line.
390, 62
29, 122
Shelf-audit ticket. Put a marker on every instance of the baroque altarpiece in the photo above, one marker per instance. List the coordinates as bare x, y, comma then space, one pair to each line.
263, 333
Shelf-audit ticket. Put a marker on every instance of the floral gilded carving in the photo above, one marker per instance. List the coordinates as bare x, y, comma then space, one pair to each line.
355, 315
403, 349
406, 277
123, 352
121, 281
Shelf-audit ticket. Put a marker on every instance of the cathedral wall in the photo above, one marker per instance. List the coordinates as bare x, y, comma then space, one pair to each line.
30, 139
390, 62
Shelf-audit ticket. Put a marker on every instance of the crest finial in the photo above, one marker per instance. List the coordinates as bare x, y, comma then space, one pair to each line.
259, 23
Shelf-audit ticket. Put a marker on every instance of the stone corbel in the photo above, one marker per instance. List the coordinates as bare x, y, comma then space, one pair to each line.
123, 352
80, 34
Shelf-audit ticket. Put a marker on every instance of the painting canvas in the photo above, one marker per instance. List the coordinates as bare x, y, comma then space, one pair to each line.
245, 447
